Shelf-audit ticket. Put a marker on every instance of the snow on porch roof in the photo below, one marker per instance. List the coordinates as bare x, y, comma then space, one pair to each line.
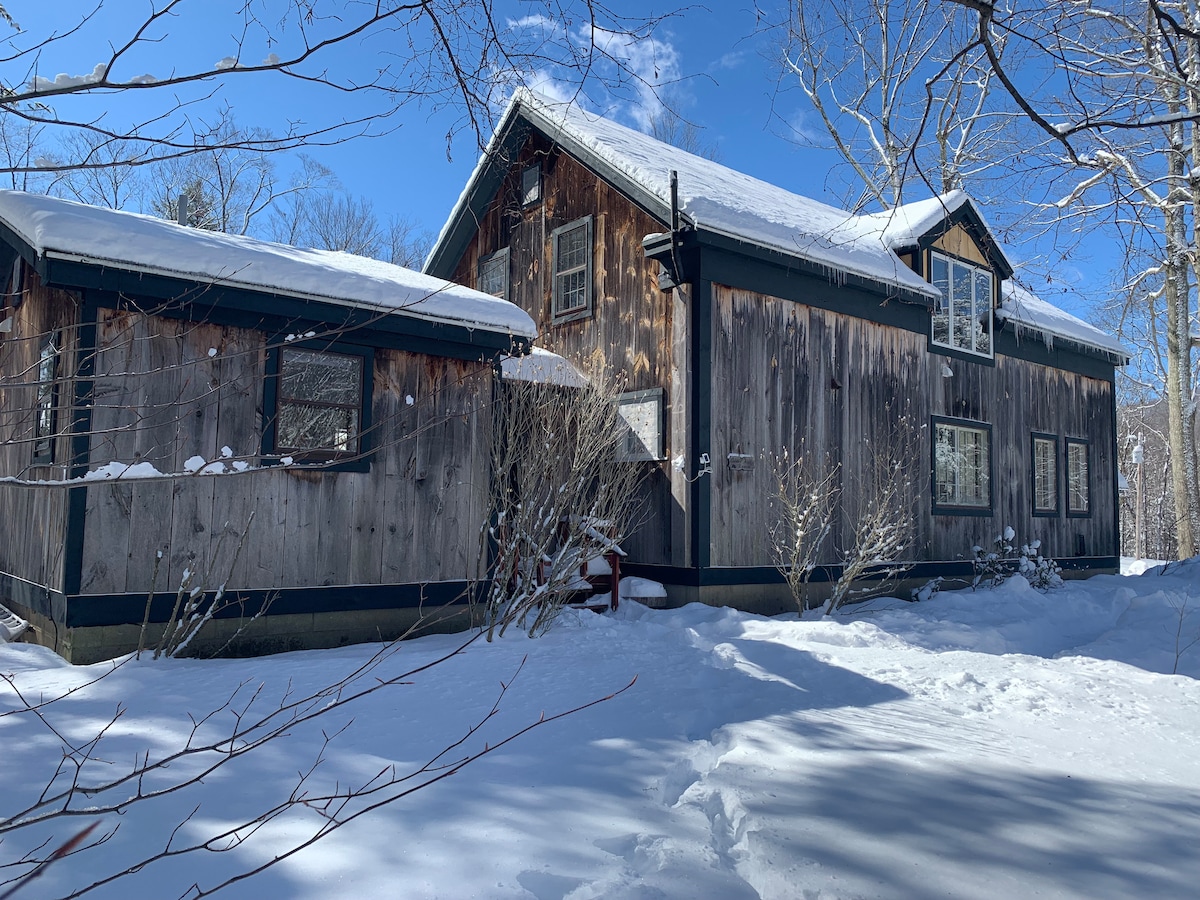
64, 229
712, 197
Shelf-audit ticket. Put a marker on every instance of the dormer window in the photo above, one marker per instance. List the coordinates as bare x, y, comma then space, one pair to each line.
962, 316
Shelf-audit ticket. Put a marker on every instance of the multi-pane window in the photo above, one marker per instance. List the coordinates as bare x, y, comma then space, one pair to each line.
1045, 475
1078, 494
573, 269
962, 316
962, 466
319, 412
43, 423
493, 274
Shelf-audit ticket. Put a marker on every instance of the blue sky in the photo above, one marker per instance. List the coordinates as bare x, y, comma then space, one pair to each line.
716, 65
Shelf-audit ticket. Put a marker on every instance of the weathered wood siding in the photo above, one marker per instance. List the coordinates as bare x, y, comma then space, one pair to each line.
34, 518
636, 328
162, 397
832, 386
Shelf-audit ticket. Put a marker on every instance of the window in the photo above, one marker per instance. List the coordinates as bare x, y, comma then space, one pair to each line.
319, 404
43, 423
962, 316
1078, 494
11, 298
1045, 475
531, 185
493, 274
962, 467
573, 270
642, 412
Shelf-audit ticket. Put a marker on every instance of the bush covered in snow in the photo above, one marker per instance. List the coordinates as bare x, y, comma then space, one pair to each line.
993, 567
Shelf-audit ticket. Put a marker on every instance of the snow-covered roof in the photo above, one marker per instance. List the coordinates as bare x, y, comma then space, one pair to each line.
542, 367
712, 196
716, 198
64, 229
903, 227
1031, 314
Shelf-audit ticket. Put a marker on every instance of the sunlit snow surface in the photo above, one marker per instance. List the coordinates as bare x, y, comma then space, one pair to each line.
993, 744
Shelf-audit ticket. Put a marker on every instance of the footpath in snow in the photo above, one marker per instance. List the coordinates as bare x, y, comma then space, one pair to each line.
992, 744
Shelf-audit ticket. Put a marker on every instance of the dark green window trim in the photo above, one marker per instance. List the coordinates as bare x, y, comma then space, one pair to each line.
1078, 477
959, 429
356, 457
45, 411
1043, 448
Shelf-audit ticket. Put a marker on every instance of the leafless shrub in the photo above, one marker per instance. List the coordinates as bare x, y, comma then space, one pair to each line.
806, 497
562, 494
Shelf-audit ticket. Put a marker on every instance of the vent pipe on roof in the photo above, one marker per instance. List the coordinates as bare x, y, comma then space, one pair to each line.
181, 209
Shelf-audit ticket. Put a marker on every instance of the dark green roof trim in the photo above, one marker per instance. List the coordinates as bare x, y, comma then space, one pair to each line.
117, 288
446, 253
224, 305
721, 260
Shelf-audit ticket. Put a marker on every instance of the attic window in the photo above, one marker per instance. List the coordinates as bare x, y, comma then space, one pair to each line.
572, 245
531, 185
962, 316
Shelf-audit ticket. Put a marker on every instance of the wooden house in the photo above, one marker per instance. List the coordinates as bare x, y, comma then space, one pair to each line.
750, 321
161, 385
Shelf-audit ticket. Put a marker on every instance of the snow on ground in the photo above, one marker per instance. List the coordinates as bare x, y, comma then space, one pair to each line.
993, 744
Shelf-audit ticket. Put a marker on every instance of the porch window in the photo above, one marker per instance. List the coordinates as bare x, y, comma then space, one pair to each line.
962, 467
43, 423
1045, 475
962, 315
493, 274
1078, 486
572, 270
320, 404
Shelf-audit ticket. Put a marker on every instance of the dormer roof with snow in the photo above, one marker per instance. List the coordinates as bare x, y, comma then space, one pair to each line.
75, 245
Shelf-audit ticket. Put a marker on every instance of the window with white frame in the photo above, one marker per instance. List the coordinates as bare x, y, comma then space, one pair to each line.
319, 405
572, 270
493, 274
1045, 475
962, 466
962, 316
1078, 488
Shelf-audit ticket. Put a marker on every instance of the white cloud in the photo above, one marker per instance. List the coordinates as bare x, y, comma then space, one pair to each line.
653, 63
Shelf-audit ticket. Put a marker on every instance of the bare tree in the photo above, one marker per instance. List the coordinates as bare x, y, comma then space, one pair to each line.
454, 54
894, 97
1121, 103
